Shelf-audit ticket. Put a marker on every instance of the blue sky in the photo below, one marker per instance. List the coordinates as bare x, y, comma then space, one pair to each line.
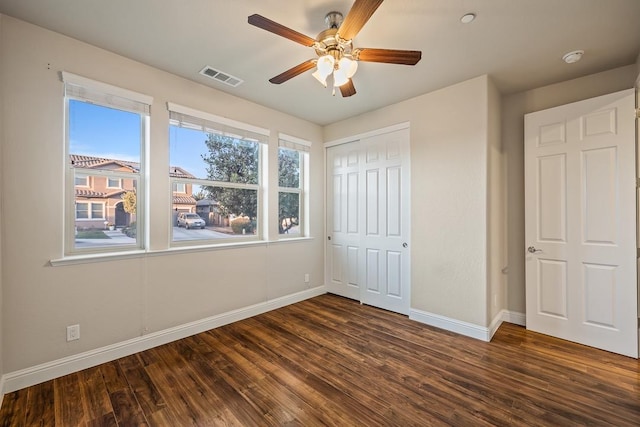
105, 132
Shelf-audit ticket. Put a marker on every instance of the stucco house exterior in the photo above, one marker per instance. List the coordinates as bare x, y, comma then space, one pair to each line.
99, 199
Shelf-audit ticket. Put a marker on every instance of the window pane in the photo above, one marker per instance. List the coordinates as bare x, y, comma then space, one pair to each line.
106, 218
104, 147
104, 134
211, 156
97, 211
288, 168
288, 213
82, 210
180, 187
212, 213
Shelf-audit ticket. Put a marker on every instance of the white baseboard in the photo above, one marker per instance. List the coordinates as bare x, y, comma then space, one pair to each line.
17, 380
514, 317
453, 325
468, 329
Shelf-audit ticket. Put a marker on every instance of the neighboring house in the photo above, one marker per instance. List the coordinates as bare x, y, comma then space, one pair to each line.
209, 210
99, 198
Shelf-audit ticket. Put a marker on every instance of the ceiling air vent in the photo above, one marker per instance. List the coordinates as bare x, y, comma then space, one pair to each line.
220, 76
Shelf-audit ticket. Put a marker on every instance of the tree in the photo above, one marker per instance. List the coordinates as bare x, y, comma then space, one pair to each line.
235, 161
288, 177
129, 202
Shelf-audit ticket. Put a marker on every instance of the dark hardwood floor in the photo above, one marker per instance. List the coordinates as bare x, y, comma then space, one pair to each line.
331, 361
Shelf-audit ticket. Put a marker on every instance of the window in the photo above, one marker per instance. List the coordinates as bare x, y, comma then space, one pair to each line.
180, 187
106, 136
292, 161
82, 181
114, 183
217, 162
90, 211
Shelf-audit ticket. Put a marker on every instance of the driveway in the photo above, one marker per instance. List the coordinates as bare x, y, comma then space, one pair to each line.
180, 234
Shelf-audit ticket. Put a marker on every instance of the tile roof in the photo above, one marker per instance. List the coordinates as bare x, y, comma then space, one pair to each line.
184, 200
91, 162
90, 194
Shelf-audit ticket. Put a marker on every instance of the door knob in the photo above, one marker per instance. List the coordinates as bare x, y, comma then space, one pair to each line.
404, 245
533, 250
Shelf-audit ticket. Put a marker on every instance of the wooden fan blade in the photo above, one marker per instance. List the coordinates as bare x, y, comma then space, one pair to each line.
348, 89
292, 72
389, 56
279, 29
359, 14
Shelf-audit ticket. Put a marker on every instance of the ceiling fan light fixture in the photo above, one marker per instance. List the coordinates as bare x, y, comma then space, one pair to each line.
325, 65
322, 79
348, 65
339, 77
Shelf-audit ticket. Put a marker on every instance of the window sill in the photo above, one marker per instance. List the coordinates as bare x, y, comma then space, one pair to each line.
115, 256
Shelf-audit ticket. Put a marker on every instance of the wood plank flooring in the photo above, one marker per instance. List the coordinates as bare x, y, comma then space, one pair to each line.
329, 361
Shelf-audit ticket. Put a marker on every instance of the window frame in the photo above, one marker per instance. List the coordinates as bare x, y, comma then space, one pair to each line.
118, 186
207, 123
303, 147
82, 89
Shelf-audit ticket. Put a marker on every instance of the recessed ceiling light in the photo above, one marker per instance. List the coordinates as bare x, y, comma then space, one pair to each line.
467, 18
572, 57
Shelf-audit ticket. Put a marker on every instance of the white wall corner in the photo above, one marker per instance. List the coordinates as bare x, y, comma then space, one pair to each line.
514, 317
17, 380
495, 323
1, 387
452, 325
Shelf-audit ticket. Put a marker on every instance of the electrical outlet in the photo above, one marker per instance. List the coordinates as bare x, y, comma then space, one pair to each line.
306, 278
73, 332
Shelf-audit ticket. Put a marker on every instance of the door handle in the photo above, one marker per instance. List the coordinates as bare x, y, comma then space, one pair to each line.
533, 250
404, 245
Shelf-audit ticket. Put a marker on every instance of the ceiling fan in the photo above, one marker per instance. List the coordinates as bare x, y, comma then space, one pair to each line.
337, 58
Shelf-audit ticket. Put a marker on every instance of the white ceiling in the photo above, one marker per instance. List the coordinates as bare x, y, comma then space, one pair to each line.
520, 43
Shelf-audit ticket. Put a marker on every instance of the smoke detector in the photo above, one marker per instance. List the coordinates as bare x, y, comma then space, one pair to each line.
572, 57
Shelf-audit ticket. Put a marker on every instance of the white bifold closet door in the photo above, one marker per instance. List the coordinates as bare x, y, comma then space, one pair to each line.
368, 220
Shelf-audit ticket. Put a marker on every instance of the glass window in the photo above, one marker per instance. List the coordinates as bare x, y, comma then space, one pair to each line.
180, 187
82, 181
291, 189
106, 134
218, 166
114, 183
82, 210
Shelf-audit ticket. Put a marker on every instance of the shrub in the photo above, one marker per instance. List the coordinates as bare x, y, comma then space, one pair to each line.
130, 230
242, 223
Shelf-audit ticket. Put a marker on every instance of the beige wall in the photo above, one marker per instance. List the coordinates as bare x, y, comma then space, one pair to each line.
117, 300
449, 132
497, 209
1, 203
514, 107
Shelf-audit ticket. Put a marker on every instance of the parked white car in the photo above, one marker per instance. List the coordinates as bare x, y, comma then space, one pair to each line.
190, 220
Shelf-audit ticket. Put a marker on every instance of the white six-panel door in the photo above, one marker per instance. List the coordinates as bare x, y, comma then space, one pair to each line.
368, 220
580, 209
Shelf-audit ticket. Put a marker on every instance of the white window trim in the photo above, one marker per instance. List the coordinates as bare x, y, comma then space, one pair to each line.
91, 91
210, 123
303, 147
